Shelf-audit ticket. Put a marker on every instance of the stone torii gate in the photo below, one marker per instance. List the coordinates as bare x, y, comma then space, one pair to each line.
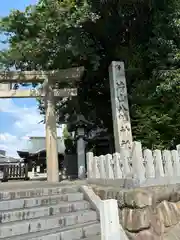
119, 103
47, 90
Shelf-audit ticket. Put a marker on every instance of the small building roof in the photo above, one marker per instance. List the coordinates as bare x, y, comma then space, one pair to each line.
37, 144
79, 121
5, 159
39, 153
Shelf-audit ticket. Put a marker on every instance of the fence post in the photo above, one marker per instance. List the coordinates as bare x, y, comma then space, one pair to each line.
137, 162
109, 219
167, 160
101, 167
96, 167
178, 154
117, 166
159, 170
90, 171
178, 149
176, 162
149, 164
125, 160
109, 168
5, 173
26, 171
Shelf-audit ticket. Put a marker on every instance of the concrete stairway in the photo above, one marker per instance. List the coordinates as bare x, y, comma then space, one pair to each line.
47, 213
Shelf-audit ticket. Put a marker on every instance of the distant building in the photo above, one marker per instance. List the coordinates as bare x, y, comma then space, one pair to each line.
2, 152
5, 160
35, 152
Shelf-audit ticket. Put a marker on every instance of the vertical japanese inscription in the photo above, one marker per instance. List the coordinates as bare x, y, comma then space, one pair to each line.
120, 108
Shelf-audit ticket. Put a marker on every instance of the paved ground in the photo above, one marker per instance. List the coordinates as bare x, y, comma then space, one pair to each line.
12, 185
38, 181
38, 176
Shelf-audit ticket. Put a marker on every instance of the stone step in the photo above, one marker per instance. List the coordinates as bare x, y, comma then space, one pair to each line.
36, 212
97, 237
35, 225
75, 232
36, 192
40, 201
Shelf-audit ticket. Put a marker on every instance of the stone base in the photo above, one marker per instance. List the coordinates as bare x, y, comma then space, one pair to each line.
70, 170
117, 183
132, 183
160, 181
151, 213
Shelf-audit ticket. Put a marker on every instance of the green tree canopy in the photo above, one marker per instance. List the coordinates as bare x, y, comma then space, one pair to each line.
144, 34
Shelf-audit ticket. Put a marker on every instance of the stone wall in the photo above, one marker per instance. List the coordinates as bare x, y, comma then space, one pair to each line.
147, 213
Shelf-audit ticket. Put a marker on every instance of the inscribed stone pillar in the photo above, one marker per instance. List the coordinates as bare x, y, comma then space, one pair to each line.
120, 108
81, 154
51, 138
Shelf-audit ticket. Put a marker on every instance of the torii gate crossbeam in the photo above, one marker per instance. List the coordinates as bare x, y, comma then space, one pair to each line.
48, 78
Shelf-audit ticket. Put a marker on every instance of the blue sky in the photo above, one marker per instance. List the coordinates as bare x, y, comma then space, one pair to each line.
9, 5
19, 118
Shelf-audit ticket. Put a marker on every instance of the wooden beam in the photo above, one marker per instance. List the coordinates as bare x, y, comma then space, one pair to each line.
63, 75
33, 93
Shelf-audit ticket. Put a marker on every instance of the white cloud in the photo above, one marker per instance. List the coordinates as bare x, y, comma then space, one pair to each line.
10, 143
26, 124
23, 114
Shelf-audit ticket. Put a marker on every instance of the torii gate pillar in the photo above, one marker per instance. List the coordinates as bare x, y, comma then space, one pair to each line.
51, 137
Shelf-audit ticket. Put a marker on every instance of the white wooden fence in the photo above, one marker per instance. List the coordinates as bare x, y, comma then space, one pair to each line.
136, 164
